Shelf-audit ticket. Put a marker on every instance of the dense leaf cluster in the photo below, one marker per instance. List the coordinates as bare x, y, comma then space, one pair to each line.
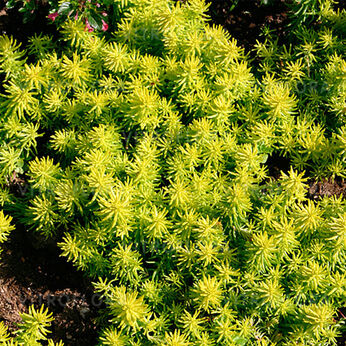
32, 331
145, 158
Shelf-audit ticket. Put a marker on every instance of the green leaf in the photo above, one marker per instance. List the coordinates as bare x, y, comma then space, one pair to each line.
264, 158
10, 4
64, 8
28, 17
95, 22
239, 340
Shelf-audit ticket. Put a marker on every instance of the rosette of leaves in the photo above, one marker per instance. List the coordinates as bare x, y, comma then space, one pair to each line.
33, 330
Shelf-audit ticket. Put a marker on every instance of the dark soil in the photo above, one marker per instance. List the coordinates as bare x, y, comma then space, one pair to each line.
31, 272
246, 21
327, 188
317, 189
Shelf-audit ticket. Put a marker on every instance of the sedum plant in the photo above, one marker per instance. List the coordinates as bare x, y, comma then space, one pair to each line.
32, 330
144, 156
5, 227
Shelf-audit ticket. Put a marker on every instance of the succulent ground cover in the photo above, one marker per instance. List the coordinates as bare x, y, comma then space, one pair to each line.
196, 183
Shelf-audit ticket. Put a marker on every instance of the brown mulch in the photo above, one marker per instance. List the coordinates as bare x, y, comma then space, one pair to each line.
328, 187
31, 274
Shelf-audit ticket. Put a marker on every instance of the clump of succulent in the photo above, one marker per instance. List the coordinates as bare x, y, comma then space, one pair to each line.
144, 157
33, 330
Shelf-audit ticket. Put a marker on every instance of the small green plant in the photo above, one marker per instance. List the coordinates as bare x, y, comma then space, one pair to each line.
33, 329
5, 227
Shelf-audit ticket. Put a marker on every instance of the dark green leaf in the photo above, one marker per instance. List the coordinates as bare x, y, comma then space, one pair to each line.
10, 4
95, 22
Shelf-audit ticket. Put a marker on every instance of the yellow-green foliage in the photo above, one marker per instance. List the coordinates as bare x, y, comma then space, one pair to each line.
33, 330
145, 158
